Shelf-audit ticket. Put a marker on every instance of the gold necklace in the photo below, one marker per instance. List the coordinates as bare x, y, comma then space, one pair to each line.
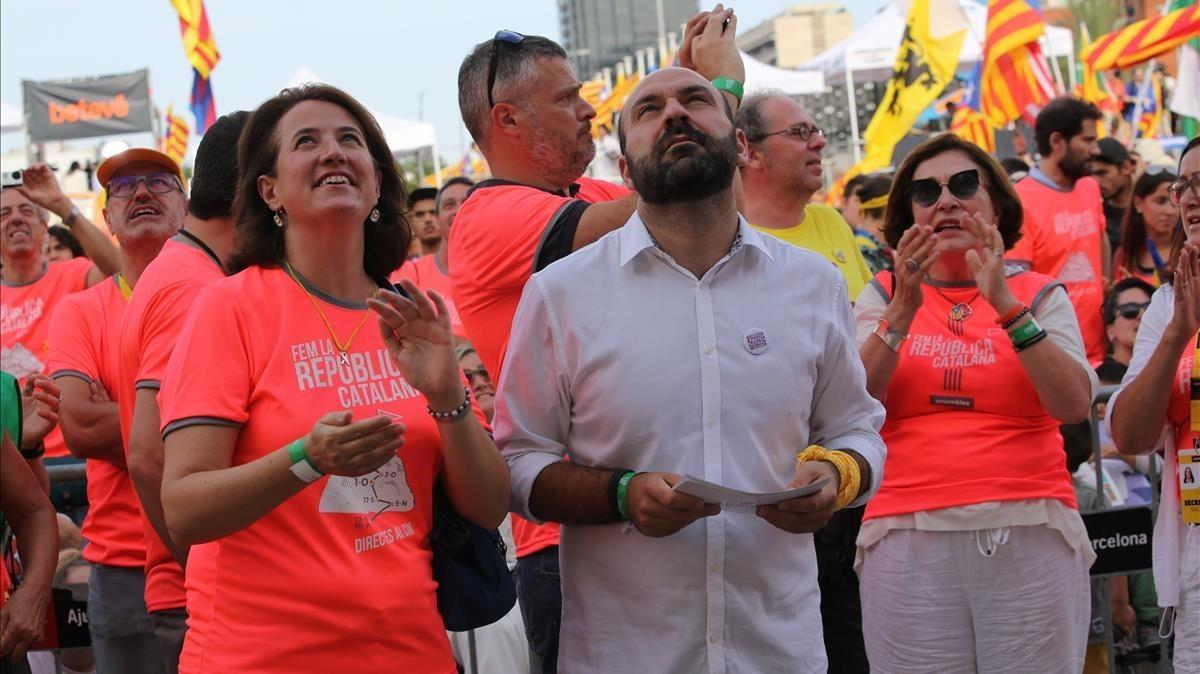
343, 357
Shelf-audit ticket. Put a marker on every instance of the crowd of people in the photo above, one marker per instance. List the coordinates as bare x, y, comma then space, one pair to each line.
292, 368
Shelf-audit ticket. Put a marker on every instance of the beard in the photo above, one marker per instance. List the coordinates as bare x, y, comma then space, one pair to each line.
1074, 168
698, 174
562, 160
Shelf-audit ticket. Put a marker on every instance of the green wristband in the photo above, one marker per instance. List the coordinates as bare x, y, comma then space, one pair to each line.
730, 85
1024, 331
296, 454
623, 494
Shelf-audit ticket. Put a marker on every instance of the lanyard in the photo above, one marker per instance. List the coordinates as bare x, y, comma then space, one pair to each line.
127, 291
1195, 387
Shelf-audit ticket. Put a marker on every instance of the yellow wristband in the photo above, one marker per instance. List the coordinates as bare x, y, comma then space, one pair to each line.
850, 475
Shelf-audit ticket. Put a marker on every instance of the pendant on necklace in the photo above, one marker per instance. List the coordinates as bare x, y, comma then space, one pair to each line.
961, 312
343, 358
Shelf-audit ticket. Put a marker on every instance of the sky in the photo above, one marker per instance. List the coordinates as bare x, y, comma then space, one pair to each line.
396, 56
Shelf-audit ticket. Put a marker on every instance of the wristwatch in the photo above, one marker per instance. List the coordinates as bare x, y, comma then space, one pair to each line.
889, 335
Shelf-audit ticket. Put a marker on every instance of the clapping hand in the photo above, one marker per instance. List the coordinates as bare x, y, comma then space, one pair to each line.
1186, 286
40, 399
986, 262
417, 334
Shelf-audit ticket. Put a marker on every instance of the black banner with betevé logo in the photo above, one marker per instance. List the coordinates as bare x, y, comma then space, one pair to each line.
1121, 539
82, 108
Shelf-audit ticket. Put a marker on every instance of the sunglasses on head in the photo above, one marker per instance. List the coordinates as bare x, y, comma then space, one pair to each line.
502, 37
963, 185
1131, 310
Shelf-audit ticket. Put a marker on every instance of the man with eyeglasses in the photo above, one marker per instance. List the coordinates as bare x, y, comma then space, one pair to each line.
145, 205
519, 99
1064, 230
782, 172
32, 286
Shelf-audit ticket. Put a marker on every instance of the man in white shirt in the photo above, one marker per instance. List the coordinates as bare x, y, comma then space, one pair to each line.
685, 343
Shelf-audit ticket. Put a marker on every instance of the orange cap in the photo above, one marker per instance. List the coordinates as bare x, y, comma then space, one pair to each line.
135, 155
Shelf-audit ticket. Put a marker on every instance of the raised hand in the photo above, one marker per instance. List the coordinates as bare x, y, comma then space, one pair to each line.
41, 187
708, 45
39, 400
657, 510
805, 514
417, 334
986, 262
337, 445
915, 255
1186, 286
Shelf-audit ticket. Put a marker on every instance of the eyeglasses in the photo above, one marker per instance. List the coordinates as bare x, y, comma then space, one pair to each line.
1131, 310
502, 37
801, 132
156, 183
963, 185
477, 372
1181, 184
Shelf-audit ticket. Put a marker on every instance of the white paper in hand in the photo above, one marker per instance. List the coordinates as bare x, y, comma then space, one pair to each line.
741, 501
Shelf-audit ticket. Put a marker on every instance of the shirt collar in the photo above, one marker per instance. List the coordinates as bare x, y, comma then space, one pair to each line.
635, 238
500, 182
1040, 176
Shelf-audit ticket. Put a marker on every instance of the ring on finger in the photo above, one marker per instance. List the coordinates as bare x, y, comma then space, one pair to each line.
912, 265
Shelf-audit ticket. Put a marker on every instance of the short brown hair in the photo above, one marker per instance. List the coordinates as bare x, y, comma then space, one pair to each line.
993, 178
259, 241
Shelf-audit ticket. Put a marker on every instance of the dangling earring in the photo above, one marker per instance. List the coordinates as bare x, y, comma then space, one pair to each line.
278, 218
374, 215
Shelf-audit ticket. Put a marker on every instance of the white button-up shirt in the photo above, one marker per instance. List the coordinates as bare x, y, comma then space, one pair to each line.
619, 357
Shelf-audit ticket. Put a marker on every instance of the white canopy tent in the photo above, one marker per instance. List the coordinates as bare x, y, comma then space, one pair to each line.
761, 76
11, 118
404, 136
871, 50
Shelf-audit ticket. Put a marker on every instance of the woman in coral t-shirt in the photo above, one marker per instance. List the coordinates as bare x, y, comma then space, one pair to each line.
305, 443
973, 554
1161, 392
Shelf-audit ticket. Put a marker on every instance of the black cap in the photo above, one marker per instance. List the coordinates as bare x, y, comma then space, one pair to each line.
1112, 151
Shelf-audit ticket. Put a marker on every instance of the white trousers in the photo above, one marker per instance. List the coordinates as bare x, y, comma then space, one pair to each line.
933, 602
1187, 614
500, 648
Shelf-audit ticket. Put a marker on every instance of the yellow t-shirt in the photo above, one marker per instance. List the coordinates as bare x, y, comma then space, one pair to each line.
824, 231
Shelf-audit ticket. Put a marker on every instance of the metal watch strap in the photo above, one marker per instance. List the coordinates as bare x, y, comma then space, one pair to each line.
889, 335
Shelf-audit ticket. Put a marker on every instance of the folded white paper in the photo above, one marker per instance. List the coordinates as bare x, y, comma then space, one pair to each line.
741, 501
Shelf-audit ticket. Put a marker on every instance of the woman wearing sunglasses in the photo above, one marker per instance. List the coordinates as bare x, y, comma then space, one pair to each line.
1158, 406
972, 556
1150, 224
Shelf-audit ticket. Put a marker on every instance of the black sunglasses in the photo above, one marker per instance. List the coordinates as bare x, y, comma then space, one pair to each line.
502, 37
963, 185
1131, 310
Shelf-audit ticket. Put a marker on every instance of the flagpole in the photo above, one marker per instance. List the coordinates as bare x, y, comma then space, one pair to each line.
854, 140
1045, 44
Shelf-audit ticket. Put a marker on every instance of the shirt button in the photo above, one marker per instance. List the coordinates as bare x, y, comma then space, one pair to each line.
714, 638
716, 568
712, 422
708, 350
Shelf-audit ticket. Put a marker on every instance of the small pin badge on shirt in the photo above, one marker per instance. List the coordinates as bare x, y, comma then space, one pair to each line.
841, 257
756, 341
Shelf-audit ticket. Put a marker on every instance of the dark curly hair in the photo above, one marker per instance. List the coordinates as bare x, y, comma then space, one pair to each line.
992, 177
259, 241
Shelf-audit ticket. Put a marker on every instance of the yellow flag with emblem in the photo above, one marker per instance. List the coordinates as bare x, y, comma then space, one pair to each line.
925, 64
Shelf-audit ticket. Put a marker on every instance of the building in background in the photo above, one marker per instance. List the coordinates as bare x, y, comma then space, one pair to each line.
798, 34
599, 33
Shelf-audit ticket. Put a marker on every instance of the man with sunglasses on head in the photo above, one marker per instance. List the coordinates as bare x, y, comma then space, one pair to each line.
781, 175
32, 286
145, 206
1064, 231
519, 99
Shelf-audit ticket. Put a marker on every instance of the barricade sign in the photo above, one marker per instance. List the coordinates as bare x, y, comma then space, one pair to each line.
1121, 539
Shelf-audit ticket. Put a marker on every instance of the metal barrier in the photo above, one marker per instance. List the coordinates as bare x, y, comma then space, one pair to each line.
1123, 516
67, 471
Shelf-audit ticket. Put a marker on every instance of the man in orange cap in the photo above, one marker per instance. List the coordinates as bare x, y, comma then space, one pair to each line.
145, 206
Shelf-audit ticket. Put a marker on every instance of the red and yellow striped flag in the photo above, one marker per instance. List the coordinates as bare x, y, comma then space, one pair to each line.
198, 41
1143, 40
973, 127
1015, 82
175, 138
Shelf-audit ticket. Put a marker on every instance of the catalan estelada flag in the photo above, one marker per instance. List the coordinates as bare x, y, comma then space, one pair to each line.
1015, 82
175, 137
201, 50
970, 124
1143, 40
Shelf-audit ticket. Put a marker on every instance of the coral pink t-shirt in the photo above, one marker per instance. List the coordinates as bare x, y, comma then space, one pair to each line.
1061, 238
338, 577
84, 332
425, 273
25, 325
149, 331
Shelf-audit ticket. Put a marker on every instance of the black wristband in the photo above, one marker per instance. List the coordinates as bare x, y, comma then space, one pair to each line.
1031, 341
613, 508
36, 452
